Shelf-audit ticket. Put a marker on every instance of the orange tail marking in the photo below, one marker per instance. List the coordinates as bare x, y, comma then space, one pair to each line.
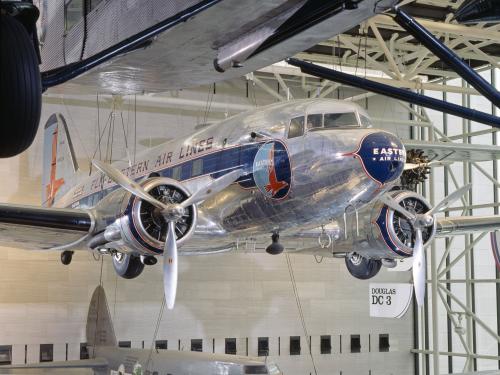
54, 185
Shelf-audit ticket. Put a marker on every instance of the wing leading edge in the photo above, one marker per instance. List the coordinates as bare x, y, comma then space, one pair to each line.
38, 228
454, 152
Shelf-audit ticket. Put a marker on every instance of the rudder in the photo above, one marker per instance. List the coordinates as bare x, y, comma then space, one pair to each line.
100, 330
59, 161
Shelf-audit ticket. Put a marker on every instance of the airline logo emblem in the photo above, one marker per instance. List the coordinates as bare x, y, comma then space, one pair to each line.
272, 171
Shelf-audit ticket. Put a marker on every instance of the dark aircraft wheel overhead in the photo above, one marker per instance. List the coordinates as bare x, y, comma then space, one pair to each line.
127, 266
20, 88
362, 268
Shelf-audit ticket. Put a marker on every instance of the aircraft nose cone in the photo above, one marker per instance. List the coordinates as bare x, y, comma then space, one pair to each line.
383, 156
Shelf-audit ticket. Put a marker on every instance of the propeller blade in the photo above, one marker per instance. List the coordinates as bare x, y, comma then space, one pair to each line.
396, 207
170, 266
409, 166
126, 183
450, 199
212, 188
435, 163
419, 268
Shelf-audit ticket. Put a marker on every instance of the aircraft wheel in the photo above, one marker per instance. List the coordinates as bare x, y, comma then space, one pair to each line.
20, 88
362, 268
66, 257
127, 266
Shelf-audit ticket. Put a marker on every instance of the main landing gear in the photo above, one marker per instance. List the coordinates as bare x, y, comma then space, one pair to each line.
362, 268
20, 82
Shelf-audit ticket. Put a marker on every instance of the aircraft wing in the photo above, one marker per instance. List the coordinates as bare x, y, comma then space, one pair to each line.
183, 55
39, 228
77, 367
451, 151
450, 226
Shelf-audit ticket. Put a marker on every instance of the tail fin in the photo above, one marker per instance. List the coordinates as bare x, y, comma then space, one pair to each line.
59, 162
100, 330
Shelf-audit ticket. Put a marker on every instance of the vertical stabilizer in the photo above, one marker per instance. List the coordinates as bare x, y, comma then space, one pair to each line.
100, 330
59, 162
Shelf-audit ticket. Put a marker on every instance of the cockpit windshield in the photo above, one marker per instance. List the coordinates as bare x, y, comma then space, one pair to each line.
340, 120
332, 120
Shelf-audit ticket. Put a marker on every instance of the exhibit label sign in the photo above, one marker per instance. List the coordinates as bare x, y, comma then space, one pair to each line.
390, 300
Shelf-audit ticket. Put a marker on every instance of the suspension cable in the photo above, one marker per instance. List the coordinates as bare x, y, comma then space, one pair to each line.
301, 312
155, 334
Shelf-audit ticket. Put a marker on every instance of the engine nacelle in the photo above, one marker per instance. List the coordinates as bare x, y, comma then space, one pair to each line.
133, 225
386, 234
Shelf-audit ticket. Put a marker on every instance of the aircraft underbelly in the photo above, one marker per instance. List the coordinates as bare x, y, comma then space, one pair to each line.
183, 56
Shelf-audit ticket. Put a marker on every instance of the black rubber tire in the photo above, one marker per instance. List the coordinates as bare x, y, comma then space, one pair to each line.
363, 268
20, 88
66, 257
129, 267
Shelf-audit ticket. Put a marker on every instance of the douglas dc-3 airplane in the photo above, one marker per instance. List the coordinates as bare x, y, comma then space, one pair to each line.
283, 171
105, 357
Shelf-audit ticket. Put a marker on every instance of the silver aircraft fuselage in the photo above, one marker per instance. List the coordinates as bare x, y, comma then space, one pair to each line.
291, 181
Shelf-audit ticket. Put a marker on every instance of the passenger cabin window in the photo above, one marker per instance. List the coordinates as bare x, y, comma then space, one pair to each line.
314, 121
296, 127
94, 3
340, 120
176, 173
73, 12
197, 167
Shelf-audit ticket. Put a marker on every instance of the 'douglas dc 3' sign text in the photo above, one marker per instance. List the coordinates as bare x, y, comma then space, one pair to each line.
389, 300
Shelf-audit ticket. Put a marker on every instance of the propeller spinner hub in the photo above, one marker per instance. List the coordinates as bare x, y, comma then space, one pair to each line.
173, 212
425, 220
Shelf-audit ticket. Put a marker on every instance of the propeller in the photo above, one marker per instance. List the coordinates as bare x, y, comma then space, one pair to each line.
419, 223
171, 212
435, 163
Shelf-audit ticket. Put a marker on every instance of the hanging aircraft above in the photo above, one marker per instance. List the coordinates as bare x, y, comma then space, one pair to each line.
312, 176
143, 47
105, 357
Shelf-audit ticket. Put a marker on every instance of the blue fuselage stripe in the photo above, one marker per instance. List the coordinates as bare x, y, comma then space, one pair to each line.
214, 164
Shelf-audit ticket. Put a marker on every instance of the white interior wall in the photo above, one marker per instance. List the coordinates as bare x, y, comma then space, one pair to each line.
241, 296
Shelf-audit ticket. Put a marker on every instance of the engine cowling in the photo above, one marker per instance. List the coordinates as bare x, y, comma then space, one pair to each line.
383, 233
393, 232
139, 227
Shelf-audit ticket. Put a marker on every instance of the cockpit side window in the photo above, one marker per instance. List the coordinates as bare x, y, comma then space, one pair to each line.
365, 121
314, 121
341, 120
296, 127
